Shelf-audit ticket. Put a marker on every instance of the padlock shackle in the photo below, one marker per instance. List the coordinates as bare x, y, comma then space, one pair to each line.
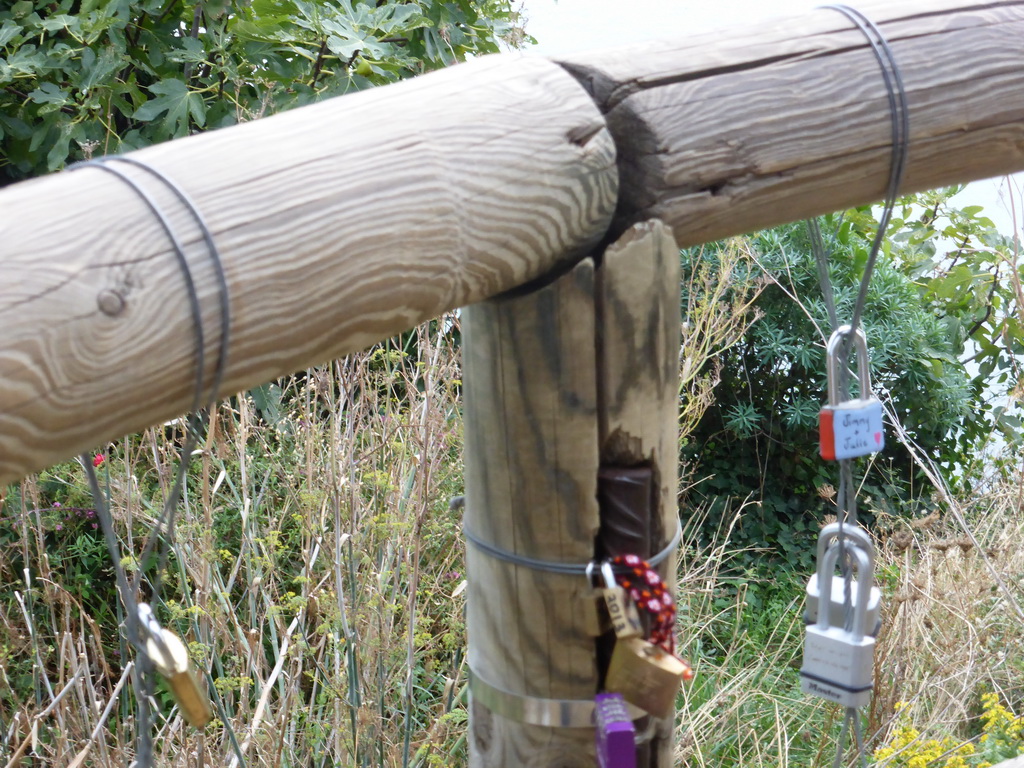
828, 535
835, 343
826, 571
608, 575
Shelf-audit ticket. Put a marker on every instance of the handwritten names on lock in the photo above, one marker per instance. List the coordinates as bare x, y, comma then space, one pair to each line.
852, 429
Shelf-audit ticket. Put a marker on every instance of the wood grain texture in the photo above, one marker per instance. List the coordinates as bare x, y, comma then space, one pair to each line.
531, 461
748, 127
558, 383
639, 336
339, 224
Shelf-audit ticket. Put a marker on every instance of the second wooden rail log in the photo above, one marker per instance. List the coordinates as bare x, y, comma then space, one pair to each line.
744, 128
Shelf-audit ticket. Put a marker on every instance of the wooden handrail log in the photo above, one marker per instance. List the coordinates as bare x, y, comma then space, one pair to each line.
739, 129
339, 225
346, 222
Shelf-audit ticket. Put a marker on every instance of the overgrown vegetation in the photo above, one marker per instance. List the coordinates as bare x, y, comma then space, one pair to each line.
926, 313
84, 77
317, 571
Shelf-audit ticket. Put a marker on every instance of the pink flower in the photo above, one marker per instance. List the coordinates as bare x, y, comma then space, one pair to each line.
97, 459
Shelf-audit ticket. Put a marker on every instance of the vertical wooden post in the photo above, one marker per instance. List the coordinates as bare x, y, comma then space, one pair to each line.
558, 383
638, 325
531, 460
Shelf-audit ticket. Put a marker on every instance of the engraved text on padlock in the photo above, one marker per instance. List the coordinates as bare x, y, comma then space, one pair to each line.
622, 612
615, 735
646, 675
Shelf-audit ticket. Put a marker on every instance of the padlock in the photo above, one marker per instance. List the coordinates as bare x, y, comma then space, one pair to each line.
614, 733
622, 612
854, 536
838, 663
597, 601
852, 428
170, 657
646, 675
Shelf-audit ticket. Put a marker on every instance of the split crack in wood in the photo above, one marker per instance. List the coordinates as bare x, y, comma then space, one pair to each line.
622, 92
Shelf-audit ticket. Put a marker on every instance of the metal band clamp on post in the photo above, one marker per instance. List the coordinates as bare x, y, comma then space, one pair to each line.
533, 710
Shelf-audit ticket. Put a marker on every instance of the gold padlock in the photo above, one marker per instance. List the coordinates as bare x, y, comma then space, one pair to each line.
646, 675
622, 612
170, 657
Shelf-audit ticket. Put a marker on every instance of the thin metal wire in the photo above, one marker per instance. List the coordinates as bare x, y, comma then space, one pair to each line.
850, 716
165, 522
846, 496
900, 123
821, 254
568, 569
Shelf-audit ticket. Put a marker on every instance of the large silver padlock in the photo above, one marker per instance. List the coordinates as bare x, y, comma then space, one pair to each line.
838, 662
852, 428
854, 536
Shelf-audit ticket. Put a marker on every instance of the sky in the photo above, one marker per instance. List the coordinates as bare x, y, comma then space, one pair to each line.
568, 26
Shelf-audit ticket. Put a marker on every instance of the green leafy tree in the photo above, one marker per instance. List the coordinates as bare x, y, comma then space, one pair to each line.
970, 276
925, 315
79, 77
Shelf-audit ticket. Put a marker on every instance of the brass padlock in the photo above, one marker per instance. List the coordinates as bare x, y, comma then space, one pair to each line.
622, 612
170, 657
598, 603
646, 675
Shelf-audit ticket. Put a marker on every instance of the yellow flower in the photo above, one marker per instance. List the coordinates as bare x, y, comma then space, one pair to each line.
883, 753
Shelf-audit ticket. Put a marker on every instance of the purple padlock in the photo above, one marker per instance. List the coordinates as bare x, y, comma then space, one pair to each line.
616, 737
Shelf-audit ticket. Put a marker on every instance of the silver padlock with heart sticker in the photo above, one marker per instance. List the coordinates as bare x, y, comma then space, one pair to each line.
854, 427
838, 662
853, 535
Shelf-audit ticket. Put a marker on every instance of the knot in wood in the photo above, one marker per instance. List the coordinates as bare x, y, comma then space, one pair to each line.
110, 302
